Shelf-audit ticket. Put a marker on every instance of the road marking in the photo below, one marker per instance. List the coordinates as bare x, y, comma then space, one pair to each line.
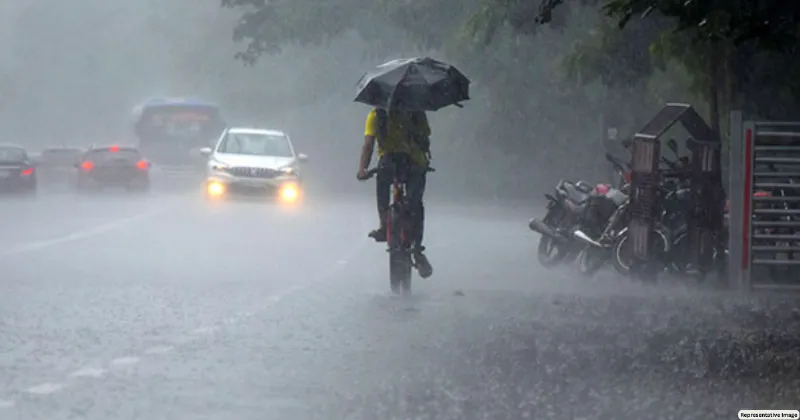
79, 235
45, 388
88, 372
159, 350
125, 361
6, 404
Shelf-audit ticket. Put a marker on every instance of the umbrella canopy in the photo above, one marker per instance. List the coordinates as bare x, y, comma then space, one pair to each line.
413, 84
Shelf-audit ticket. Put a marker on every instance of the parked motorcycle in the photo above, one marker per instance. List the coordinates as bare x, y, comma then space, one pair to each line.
565, 209
605, 219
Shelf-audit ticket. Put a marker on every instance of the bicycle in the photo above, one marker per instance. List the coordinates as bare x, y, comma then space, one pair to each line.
399, 229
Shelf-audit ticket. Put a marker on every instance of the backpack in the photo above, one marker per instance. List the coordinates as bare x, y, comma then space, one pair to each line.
423, 142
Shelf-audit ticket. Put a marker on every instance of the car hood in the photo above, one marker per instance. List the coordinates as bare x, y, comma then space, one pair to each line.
272, 162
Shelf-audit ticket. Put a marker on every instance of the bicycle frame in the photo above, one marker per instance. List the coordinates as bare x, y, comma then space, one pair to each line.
398, 222
398, 204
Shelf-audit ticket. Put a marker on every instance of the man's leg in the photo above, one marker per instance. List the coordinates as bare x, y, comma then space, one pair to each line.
415, 188
383, 185
416, 191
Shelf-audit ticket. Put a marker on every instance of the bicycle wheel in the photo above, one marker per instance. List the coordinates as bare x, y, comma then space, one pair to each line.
400, 264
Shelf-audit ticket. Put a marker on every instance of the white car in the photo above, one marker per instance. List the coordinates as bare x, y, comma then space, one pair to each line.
254, 162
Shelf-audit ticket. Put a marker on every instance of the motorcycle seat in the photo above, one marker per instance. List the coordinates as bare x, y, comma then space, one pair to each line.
584, 186
575, 194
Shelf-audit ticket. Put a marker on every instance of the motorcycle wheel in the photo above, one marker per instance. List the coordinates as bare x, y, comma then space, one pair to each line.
621, 254
550, 254
590, 261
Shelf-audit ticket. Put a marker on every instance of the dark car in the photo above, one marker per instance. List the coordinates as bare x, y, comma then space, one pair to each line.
17, 171
113, 166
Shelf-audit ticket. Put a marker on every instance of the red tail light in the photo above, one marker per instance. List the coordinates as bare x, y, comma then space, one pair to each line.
28, 171
142, 165
627, 177
87, 166
113, 149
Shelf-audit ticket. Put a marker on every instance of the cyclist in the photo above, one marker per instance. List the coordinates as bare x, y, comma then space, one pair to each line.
403, 140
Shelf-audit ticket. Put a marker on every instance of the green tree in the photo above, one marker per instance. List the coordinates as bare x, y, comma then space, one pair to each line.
741, 53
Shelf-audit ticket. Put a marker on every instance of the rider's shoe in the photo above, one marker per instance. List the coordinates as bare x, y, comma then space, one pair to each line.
424, 267
379, 235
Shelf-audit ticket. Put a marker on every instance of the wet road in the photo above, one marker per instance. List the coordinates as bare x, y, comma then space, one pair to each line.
163, 307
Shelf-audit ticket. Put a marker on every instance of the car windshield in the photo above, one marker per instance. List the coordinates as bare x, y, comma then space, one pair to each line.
259, 144
12, 154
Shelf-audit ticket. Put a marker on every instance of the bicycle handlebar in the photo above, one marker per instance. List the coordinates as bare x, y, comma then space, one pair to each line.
374, 171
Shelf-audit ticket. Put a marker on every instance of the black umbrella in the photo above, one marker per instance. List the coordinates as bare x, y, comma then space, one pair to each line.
413, 84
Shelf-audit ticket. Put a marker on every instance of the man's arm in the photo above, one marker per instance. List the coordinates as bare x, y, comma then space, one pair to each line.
425, 132
425, 126
370, 133
366, 153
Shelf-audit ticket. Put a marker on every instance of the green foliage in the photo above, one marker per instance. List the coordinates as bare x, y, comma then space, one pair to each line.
770, 23
267, 26
614, 57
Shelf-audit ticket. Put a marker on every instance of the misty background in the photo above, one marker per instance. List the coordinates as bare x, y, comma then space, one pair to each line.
72, 71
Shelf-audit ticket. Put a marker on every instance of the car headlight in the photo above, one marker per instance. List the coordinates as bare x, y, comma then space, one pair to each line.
289, 170
219, 166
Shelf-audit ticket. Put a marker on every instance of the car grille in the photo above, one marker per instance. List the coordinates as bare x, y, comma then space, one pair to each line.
264, 173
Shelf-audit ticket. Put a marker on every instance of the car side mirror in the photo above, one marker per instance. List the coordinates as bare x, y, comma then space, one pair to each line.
206, 151
302, 157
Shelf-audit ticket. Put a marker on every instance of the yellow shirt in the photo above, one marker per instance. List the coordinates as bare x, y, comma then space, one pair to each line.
399, 139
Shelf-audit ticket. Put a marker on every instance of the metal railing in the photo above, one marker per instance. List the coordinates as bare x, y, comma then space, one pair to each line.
764, 198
